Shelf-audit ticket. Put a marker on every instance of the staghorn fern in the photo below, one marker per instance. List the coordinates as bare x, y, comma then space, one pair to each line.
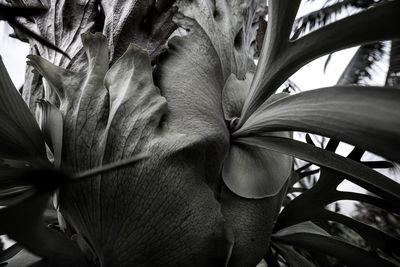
218, 138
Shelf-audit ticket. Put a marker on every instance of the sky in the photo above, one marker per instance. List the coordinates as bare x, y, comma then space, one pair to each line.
13, 53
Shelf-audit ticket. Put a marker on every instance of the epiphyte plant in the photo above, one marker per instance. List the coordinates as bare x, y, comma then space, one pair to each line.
217, 135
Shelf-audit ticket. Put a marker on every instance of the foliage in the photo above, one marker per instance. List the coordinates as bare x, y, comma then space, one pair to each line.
378, 218
11, 13
217, 135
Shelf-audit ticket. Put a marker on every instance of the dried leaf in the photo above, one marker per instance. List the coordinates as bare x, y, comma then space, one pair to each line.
148, 24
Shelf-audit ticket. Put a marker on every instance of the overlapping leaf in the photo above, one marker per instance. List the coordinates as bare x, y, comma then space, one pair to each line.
363, 116
20, 136
282, 58
35, 236
51, 124
248, 171
393, 77
147, 24
354, 171
345, 252
128, 116
292, 257
254, 184
11, 13
61, 25
75, 18
228, 25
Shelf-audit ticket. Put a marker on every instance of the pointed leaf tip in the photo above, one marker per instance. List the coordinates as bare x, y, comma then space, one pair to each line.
20, 136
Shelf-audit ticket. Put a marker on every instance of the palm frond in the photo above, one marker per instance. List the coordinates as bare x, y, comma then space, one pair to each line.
362, 63
329, 13
291, 87
393, 75
318, 18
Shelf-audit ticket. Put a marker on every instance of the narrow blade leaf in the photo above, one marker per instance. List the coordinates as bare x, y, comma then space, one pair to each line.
20, 136
367, 117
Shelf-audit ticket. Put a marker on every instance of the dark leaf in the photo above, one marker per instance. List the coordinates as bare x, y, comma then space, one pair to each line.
23, 223
21, 11
346, 253
10, 252
20, 136
376, 201
328, 59
292, 257
374, 237
378, 164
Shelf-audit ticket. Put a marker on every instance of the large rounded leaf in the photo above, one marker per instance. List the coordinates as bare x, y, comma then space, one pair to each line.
160, 211
253, 172
249, 171
191, 80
